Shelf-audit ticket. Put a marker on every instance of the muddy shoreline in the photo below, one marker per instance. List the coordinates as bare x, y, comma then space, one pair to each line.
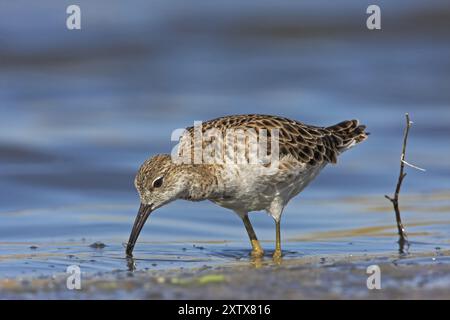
419, 276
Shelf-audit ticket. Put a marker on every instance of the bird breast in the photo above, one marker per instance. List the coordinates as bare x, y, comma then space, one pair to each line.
251, 188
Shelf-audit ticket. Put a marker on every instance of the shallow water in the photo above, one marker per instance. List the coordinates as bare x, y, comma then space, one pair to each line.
80, 111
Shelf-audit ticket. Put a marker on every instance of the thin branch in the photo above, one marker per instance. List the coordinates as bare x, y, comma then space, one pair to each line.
401, 230
413, 166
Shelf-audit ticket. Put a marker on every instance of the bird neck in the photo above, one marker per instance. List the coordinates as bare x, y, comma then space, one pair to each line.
201, 182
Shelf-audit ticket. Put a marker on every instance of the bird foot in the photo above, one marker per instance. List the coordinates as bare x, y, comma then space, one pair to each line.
277, 255
257, 253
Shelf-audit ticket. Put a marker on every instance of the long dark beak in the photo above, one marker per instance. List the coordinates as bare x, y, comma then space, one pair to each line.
143, 214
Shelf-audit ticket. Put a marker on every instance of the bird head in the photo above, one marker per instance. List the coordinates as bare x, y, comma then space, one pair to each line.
158, 182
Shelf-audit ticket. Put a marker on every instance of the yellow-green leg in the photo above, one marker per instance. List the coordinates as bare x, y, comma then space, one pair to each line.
277, 253
257, 250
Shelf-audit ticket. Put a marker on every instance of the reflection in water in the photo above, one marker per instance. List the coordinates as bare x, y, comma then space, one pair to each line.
403, 246
131, 264
256, 261
177, 248
375, 231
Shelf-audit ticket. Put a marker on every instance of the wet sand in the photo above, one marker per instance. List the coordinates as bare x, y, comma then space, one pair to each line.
418, 276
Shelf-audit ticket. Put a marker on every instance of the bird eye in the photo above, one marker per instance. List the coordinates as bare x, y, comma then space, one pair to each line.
157, 182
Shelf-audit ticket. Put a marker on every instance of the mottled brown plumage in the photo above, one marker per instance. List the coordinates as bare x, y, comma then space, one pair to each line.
308, 144
243, 187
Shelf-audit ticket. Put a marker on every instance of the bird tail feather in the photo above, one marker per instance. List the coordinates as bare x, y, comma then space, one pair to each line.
348, 134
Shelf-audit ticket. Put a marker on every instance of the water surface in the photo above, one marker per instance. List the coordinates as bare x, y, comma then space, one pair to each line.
80, 111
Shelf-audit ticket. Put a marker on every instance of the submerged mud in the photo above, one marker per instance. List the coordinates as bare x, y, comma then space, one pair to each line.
418, 276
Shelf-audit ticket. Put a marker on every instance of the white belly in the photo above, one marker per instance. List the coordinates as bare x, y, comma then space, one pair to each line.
246, 189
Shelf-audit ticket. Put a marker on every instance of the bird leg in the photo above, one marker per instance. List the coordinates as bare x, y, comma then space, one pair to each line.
277, 253
257, 250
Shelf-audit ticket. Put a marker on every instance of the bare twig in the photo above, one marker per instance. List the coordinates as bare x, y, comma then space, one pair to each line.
401, 230
413, 166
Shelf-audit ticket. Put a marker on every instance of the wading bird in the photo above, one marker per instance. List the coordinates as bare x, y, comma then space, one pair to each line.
302, 151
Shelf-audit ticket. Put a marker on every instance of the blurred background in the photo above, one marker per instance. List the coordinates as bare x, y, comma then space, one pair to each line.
80, 110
